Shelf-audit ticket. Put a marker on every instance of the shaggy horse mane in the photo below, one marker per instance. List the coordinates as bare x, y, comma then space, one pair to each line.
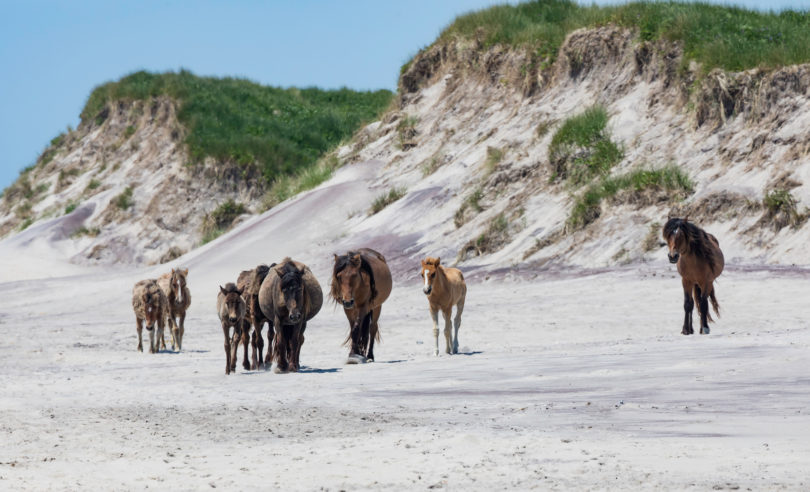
341, 263
697, 239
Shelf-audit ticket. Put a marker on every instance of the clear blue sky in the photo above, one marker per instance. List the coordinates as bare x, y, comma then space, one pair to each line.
52, 53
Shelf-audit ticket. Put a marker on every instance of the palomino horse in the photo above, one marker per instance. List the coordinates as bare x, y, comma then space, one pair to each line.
289, 296
361, 281
249, 282
700, 261
150, 305
231, 312
444, 288
174, 288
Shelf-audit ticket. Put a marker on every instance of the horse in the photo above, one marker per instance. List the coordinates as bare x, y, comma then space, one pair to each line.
444, 288
174, 288
361, 282
290, 296
231, 312
700, 261
249, 282
150, 305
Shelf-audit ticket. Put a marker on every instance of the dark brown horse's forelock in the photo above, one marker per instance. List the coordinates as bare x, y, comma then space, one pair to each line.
696, 238
340, 264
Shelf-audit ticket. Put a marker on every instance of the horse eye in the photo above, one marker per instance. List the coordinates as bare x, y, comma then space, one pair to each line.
432, 274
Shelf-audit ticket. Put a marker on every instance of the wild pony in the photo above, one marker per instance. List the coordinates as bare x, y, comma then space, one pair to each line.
231, 312
361, 282
444, 288
700, 262
150, 305
249, 282
289, 297
176, 291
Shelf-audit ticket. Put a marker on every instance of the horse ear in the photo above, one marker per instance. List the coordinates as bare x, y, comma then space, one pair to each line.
356, 260
336, 257
438, 260
686, 219
172, 271
185, 272
222, 290
279, 272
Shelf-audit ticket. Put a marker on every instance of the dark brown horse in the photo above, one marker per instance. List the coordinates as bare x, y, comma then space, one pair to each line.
249, 282
361, 282
175, 289
149, 304
700, 261
289, 296
231, 312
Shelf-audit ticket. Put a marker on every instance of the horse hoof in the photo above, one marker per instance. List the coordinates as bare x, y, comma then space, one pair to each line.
356, 359
704, 331
279, 370
436, 353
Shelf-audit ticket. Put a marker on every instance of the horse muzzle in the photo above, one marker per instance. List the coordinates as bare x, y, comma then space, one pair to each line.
295, 317
427, 290
348, 304
232, 319
673, 258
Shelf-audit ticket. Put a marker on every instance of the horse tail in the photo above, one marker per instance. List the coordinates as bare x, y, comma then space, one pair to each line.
715, 304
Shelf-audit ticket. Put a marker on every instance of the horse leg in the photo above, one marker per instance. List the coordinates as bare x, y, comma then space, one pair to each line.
255, 343
703, 308
295, 333
457, 324
448, 331
373, 330
151, 330
280, 347
161, 327
238, 334
181, 330
246, 337
259, 361
226, 331
271, 334
688, 304
434, 315
139, 328
300, 344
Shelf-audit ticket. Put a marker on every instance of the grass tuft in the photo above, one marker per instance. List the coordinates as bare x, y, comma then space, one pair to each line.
581, 148
715, 36
588, 206
386, 199
221, 219
283, 131
124, 200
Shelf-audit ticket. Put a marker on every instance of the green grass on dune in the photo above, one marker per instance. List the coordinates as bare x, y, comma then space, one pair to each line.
281, 130
731, 38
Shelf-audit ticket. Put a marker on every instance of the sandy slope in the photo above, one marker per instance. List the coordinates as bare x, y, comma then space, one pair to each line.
568, 379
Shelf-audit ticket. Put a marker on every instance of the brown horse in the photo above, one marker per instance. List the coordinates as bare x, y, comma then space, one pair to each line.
150, 305
361, 281
249, 282
444, 288
176, 291
289, 296
231, 312
700, 262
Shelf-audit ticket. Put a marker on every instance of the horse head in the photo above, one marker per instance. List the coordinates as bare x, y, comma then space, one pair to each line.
292, 289
348, 278
178, 283
150, 307
234, 304
429, 268
674, 234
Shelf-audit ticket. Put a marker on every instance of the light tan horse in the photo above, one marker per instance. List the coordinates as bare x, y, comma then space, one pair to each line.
700, 261
175, 289
444, 288
361, 282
